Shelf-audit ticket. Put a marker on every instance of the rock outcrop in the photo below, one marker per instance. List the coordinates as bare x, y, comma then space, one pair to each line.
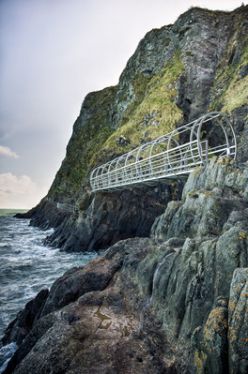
113, 216
175, 302
177, 73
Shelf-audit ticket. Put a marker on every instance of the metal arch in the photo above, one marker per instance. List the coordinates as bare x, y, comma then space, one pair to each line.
161, 139
137, 166
177, 158
226, 148
230, 146
96, 180
172, 138
111, 163
194, 135
102, 181
144, 161
127, 165
119, 159
204, 119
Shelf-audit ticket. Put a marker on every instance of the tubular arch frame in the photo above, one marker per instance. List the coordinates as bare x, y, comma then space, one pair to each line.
183, 149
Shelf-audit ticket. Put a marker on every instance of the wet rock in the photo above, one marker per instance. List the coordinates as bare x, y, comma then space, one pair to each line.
99, 332
47, 214
94, 276
22, 325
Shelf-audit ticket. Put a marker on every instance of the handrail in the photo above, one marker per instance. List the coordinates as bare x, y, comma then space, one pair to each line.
211, 134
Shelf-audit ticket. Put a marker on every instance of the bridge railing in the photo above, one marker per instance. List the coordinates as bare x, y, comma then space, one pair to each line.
168, 156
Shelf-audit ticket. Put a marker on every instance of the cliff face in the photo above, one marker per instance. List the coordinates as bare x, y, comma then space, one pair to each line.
177, 73
172, 303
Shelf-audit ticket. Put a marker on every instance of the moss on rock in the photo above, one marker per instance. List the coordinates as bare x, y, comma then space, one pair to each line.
155, 115
90, 131
230, 90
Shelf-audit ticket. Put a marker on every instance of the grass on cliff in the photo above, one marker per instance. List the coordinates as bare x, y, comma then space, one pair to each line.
155, 115
152, 113
89, 134
231, 89
236, 94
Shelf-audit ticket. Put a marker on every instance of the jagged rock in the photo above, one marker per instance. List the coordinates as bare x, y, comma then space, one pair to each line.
102, 328
95, 276
162, 304
20, 327
113, 216
238, 322
211, 349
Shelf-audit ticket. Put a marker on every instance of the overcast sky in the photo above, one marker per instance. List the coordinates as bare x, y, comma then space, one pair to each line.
53, 52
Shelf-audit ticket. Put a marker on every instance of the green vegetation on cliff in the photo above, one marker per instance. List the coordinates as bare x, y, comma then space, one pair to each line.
157, 113
231, 86
152, 112
90, 131
236, 94
231, 82
176, 73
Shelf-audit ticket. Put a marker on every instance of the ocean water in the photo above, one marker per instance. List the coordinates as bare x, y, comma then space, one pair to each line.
27, 266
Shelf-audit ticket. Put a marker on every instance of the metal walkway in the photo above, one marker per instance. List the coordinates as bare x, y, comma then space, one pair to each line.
169, 156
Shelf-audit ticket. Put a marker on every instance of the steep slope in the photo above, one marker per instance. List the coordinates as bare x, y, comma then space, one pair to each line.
177, 73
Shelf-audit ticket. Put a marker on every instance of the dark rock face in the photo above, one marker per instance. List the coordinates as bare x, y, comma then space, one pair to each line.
213, 220
99, 332
22, 325
175, 303
114, 216
241, 127
194, 29
177, 73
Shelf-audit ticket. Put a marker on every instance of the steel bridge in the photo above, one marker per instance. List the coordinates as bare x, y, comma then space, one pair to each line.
169, 156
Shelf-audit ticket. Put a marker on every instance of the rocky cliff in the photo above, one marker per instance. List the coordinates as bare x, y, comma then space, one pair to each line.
172, 303
172, 296
177, 73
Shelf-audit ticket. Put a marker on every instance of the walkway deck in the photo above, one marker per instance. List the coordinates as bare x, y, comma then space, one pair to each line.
169, 156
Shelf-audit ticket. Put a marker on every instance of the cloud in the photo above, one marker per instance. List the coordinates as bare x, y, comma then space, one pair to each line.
18, 192
6, 151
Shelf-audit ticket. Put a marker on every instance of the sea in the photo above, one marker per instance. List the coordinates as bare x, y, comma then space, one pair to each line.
26, 266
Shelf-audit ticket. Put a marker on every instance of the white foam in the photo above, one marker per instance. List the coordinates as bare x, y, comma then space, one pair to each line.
6, 352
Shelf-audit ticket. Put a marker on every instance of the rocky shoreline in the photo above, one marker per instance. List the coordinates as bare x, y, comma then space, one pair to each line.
174, 302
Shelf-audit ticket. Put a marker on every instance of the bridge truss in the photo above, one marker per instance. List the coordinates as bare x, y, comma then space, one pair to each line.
169, 156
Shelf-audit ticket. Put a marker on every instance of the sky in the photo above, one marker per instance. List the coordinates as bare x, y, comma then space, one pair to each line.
52, 53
